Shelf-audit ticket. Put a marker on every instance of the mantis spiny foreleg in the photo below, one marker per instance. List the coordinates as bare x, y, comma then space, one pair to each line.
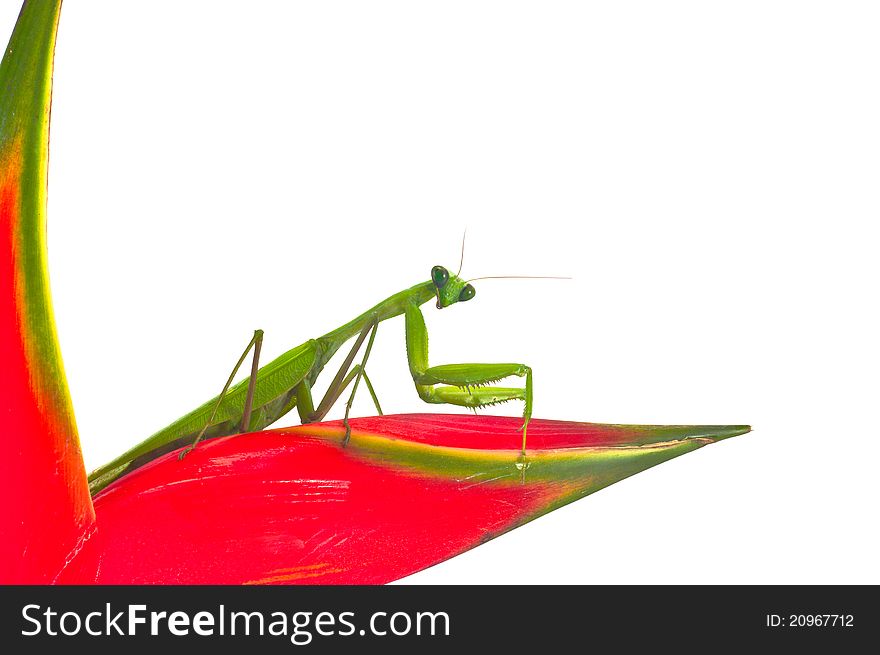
466, 383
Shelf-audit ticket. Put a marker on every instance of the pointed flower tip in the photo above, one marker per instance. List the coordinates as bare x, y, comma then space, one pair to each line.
721, 432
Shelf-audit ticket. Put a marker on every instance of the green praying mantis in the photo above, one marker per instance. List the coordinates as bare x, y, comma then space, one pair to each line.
272, 391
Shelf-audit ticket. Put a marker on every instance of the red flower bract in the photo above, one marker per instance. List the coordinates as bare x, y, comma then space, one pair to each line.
295, 506
41, 468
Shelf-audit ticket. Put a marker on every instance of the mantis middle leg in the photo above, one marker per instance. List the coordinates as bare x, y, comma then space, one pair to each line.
344, 377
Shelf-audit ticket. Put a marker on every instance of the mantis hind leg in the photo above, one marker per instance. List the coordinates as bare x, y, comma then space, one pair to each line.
465, 385
256, 343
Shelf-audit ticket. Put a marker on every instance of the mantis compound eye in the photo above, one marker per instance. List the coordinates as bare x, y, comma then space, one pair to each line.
467, 293
439, 276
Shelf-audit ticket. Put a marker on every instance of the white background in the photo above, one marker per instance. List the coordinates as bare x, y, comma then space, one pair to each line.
706, 172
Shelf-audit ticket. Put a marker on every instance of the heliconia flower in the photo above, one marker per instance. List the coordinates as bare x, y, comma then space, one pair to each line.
41, 468
408, 491
292, 505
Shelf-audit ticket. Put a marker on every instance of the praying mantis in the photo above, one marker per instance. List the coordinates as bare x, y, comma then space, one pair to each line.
275, 389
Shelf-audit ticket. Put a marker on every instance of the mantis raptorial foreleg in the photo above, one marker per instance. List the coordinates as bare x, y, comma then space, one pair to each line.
467, 382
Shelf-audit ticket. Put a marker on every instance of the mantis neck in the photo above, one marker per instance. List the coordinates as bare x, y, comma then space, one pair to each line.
389, 308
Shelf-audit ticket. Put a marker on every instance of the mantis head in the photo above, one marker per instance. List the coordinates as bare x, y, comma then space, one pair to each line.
450, 289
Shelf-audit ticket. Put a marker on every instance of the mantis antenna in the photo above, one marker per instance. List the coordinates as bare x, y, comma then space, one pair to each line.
461, 263
520, 277
502, 277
